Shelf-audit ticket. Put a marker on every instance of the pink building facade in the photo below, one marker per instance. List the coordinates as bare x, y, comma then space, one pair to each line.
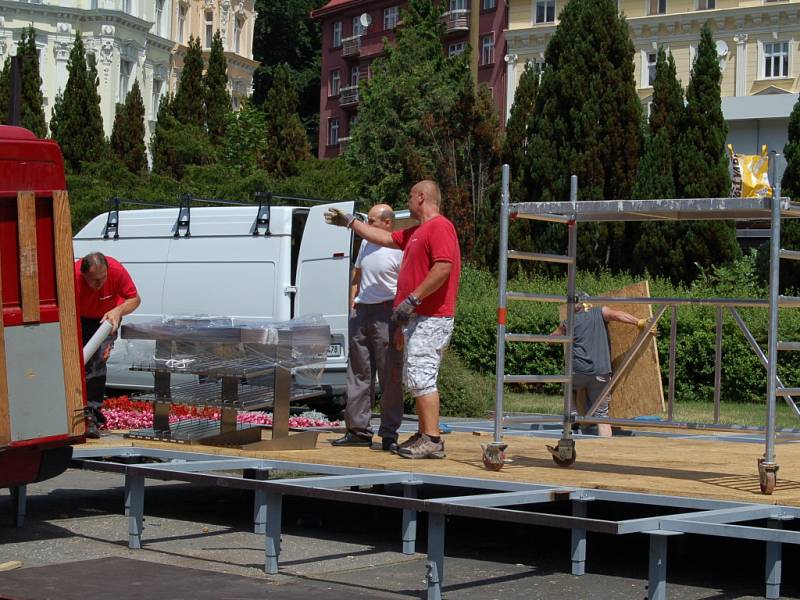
349, 47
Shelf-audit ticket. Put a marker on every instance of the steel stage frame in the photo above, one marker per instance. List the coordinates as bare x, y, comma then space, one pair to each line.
573, 212
514, 502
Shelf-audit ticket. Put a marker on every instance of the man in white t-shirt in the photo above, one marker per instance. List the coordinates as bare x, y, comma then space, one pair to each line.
371, 333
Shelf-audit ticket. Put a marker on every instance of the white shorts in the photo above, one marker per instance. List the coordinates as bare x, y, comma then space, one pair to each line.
426, 339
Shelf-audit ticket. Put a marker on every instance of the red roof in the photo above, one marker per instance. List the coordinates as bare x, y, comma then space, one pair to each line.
334, 6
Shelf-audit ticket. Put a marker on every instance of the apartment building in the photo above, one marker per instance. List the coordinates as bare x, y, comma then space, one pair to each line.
142, 40
353, 32
757, 47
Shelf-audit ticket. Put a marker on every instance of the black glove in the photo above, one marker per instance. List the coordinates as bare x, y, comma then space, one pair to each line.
334, 216
405, 309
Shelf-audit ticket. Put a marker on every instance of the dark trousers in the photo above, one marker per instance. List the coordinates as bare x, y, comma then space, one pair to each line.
95, 371
373, 353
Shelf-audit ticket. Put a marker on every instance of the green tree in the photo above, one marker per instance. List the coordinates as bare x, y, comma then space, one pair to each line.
32, 108
176, 146
188, 106
244, 141
127, 137
667, 109
790, 183
587, 122
515, 145
285, 34
5, 89
75, 126
94, 117
790, 187
286, 141
218, 101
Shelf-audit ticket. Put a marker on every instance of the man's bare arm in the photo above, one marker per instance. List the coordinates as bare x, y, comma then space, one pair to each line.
114, 316
376, 235
354, 283
620, 316
436, 277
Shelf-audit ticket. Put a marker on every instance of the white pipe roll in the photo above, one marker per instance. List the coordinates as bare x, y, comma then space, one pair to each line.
97, 339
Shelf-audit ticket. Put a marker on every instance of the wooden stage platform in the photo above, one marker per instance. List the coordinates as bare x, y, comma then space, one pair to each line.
690, 466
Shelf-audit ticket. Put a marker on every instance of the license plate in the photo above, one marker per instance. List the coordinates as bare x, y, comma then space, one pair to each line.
334, 350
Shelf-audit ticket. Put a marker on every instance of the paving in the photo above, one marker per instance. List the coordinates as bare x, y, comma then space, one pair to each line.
198, 543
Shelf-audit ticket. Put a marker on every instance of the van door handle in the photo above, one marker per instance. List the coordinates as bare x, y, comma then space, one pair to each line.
290, 289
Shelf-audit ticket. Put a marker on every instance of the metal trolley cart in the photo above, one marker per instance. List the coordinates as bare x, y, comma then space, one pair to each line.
235, 367
571, 214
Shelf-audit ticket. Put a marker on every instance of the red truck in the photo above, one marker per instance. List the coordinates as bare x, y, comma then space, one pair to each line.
42, 388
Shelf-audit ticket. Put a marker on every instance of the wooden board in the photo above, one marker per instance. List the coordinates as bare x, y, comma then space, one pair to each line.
71, 352
5, 417
640, 391
28, 259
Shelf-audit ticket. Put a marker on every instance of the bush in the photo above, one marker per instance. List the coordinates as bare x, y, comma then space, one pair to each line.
743, 377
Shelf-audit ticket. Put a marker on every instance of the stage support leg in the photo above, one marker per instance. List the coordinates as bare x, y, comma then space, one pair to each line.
435, 562
259, 500
19, 501
273, 537
774, 563
579, 508
134, 508
409, 520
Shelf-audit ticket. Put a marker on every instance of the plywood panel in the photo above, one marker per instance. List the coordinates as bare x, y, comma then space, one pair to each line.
28, 260
71, 352
5, 419
640, 391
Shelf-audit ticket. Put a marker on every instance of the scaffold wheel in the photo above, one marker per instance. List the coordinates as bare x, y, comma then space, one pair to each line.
568, 462
767, 476
494, 455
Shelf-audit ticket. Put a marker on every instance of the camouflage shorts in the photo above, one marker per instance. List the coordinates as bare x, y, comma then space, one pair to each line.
426, 339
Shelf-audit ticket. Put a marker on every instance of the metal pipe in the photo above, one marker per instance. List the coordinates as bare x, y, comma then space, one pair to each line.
96, 341
673, 337
572, 252
502, 265
718, 365
774, 283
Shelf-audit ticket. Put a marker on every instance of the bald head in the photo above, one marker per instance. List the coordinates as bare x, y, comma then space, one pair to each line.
424, 199
382, 216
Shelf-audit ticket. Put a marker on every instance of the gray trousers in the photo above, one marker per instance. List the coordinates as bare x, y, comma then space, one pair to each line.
373, 353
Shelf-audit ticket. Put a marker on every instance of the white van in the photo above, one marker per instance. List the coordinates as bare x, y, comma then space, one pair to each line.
253, 262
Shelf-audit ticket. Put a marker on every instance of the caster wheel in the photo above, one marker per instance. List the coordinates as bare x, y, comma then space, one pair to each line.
767, 477
494, 456
565, 462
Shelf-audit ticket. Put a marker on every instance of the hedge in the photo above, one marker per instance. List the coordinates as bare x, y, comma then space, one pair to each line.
743, 377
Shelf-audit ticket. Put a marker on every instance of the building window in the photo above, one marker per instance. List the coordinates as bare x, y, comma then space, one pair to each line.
456, 49
487, 49
390, 16
333, 132
354, 73
650, 68
358, 28
545, 11
776, 60
125, 68
159, 15
209, 28
181, 21
237, 35
656, 7
335, 83
458, 5
706, 4
489, 4
337, 34
156, 98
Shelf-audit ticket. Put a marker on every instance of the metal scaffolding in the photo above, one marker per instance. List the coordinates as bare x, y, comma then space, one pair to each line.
571, 214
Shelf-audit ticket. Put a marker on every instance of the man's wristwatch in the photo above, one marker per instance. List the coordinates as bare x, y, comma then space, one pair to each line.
414, 300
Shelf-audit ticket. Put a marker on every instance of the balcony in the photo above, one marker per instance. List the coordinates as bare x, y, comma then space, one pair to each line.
348, 96
456, 20
343, 143
351, 46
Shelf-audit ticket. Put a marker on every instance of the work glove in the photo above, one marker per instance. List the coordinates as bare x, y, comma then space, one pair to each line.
642, 323
405, 309
334, 216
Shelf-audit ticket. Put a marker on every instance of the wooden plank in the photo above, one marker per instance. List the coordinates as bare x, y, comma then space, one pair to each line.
5, 417
28, 260
71, 352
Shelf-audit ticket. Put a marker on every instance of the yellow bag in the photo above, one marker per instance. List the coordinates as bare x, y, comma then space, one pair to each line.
750, 178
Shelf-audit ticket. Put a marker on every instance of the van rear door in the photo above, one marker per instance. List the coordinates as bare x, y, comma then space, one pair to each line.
323, 276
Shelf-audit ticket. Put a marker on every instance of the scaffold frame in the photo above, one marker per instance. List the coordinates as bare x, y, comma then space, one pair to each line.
573, 212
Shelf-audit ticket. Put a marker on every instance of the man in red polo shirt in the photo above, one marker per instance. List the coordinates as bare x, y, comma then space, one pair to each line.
105, 292
424, 306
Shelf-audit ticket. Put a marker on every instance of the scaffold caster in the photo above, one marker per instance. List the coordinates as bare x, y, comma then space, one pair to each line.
767, 476
494, 455
564, 454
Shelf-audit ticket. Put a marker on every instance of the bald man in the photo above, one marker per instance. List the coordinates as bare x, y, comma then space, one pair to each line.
424, 305
371, 349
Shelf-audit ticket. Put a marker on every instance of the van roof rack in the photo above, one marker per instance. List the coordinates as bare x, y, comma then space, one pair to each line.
263, 202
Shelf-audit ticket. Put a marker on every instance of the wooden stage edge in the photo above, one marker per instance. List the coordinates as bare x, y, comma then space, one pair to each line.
712, 469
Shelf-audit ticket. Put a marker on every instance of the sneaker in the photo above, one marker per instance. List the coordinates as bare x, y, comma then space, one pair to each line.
423, 447
352, 438
395, 447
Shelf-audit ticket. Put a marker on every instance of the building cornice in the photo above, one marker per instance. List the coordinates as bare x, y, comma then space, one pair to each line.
682, 26
344, 7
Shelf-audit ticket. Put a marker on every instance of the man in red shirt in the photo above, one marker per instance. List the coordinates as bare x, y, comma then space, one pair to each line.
424, 306
105, 292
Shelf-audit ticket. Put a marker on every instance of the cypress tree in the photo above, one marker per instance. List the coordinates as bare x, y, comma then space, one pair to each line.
790, 184
76, 128
667, 109
218, 101
654, 177
702, 165
515, 145
165, 121
790, 187
189, 104
587, 122
32, 113
127, 137
5, 89
94, 117
286, 138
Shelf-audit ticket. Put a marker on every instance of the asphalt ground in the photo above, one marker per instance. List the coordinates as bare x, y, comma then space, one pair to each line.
198, 543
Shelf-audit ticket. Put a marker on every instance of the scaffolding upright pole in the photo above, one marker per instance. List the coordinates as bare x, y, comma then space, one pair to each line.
501, 308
